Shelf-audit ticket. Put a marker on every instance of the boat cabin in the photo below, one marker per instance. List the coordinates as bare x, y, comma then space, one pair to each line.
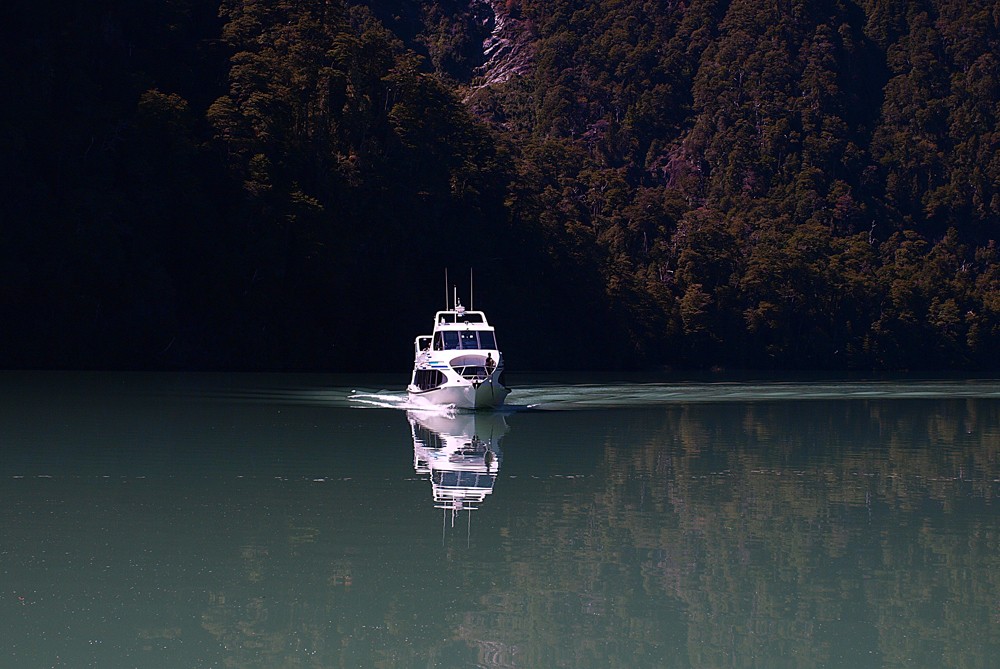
462, 330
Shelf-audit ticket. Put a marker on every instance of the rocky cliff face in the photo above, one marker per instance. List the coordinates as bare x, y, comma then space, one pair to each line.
477, 43
507, 51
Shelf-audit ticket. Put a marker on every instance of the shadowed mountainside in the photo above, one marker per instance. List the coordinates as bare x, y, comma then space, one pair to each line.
706, 183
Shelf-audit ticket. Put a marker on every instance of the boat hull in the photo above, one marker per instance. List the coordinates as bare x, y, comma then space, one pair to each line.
468, 395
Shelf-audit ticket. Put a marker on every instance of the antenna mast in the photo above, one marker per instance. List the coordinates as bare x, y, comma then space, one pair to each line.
446, 289
472, 302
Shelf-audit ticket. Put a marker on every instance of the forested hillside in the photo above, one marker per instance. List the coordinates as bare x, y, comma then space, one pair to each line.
253, 184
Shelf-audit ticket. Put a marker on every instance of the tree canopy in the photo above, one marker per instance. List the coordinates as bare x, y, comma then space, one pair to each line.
280, 185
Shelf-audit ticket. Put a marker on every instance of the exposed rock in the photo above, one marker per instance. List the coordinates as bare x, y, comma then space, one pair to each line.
507, 51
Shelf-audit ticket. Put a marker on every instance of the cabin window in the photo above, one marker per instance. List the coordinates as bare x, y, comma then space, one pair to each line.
426, 379
451, 341
478, 340
487, 340
446, 341
469, 340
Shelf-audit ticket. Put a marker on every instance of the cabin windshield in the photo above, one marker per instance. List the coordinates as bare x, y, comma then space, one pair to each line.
470, 340
448, 340
487, 340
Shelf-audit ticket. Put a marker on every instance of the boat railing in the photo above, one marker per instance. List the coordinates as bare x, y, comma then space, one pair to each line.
455, 317
473, 372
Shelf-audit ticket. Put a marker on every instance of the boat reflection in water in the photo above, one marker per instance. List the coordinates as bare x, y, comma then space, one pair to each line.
461, 455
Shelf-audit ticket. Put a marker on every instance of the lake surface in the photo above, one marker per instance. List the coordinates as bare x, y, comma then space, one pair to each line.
309, 521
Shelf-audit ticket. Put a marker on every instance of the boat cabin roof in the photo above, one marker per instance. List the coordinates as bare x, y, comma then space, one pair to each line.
459, 317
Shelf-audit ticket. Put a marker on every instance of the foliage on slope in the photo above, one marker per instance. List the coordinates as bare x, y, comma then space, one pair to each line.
280, 184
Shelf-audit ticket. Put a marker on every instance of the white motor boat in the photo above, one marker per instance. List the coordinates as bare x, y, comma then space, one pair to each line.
459, 364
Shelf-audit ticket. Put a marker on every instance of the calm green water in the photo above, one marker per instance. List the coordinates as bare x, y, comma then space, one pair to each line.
294, 521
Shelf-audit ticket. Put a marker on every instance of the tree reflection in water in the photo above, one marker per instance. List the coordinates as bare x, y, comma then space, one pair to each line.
777, 533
